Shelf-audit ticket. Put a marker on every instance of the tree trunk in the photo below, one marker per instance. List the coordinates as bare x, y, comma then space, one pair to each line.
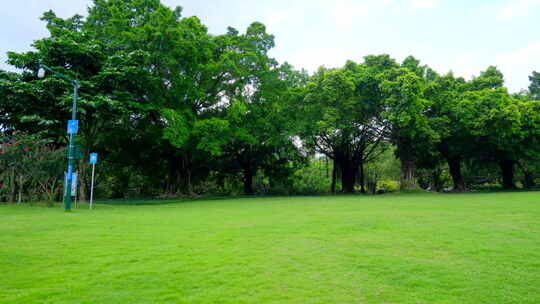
13, 187
83, 181
20, 189
172, 185
528, 175
362, 178
528, 180
334, 177
507, 172
121, 185
406, 157
407, 178
454, 164
168, 184
326, 163
372, 187
347, 177
178, 180
189, 183
436, 183
248, 182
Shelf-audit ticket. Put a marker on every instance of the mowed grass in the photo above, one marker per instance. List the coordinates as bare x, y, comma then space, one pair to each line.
397, 248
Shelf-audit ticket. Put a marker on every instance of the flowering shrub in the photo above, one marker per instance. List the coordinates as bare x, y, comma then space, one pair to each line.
30, 169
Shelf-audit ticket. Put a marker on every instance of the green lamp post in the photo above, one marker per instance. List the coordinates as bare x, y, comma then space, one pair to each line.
72, 131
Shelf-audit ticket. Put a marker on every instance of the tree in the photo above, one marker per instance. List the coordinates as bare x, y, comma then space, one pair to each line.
249, 128
528, 149
47, 169
452, 143
494, 119
30, 165
341, 120
534, 87
170, 106
133, 58
405, 106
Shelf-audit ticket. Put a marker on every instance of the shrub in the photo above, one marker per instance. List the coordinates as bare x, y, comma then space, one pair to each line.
388, 185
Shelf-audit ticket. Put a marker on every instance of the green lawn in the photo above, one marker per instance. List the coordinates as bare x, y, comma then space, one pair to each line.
397, 248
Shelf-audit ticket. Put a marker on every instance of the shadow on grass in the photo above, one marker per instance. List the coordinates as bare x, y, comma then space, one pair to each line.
179, 200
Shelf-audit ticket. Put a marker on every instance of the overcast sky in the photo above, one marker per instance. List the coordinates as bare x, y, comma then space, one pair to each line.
464, 36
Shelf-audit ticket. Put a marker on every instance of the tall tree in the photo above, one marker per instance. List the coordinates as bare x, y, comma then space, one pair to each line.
133, 58
405, 107
342, 119
492, 116
248, 126
451, 143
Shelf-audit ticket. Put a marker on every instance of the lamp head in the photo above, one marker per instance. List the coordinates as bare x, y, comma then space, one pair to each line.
41, 73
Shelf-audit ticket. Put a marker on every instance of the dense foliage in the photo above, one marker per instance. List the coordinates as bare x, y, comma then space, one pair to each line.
175, 110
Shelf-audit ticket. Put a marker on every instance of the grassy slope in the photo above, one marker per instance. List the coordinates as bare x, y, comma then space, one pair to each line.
406, 248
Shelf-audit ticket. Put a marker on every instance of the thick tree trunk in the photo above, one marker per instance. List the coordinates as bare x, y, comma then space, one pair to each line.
507, 172
454, 164
178, 180
406, 157
407, 178
347, 177
528, 175
248, 182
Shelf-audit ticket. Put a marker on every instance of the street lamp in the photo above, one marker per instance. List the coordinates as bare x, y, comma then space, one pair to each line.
72, 130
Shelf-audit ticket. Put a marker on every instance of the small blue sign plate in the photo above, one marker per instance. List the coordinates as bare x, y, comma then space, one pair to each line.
73, 126
93, 158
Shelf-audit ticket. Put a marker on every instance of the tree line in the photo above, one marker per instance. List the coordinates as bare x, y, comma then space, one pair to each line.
177, 110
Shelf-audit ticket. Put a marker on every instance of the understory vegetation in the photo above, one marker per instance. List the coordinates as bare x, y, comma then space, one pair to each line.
174, 110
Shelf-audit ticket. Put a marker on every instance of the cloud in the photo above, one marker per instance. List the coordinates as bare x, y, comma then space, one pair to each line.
527, 55
518, 64
467, 65
21, 26
275, 20
312, 59
517, 8
347, 12
423, 4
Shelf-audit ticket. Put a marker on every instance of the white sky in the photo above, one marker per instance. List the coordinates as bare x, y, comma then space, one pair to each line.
464, 36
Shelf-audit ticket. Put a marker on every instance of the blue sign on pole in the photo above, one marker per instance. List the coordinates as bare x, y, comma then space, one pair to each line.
73, 126
69, 173
93, 158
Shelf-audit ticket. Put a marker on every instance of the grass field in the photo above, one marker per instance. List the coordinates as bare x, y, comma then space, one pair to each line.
396, 248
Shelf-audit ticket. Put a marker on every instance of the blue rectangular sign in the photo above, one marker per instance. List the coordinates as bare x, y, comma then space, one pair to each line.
73, 126
93, 158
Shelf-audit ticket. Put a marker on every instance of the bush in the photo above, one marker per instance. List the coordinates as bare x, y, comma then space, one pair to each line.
31, 169
388, 185
312, 179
